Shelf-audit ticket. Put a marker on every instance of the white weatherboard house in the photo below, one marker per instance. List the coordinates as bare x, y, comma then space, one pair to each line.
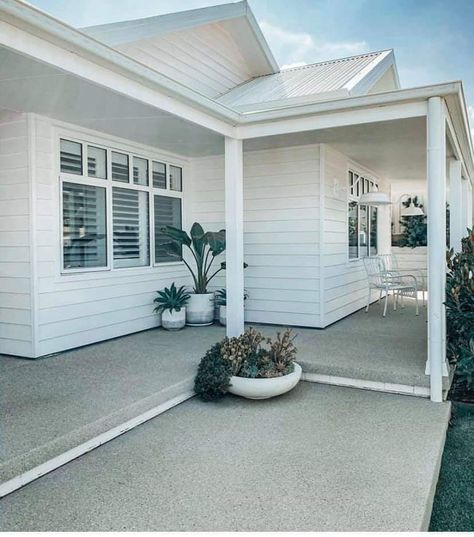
187, 117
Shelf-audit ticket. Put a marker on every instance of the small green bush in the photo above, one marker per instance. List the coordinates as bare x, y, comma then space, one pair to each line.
213, 377
460, 313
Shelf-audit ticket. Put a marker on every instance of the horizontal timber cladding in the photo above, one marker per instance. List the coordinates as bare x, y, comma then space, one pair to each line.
281, 230
80, 308
16, 322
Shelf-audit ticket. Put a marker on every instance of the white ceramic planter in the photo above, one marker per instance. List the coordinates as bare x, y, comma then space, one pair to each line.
174, 320
223, 315
265, 388
200, 309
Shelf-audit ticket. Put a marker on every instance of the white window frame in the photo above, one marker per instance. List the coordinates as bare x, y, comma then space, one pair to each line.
355, 197
108, 184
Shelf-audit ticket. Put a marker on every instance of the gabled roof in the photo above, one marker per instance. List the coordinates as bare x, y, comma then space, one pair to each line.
237, 18
339, 78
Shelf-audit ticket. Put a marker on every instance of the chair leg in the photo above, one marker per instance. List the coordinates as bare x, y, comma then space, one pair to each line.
386, 302
368, 302
395, 299
380, 296
416, 302
402, 302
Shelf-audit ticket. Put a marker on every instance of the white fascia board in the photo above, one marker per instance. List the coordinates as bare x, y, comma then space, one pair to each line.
38, 35
365, 79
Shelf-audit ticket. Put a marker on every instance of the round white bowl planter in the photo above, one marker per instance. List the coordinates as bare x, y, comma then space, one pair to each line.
200, 309
173, 320
265, 388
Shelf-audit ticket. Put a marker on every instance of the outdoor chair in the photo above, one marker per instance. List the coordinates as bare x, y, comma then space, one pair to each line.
391, 265
383, 280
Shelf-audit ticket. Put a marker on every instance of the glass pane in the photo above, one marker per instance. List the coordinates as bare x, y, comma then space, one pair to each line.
71, 157
131, 228
96, 162
176, 178
167, 213
119, 167
373, 230
159, 174
140, 171
84, 226
353, 227
363, 231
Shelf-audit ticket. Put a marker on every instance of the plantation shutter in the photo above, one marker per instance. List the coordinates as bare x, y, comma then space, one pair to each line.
84, 226
167, 213
131, 227
71, 157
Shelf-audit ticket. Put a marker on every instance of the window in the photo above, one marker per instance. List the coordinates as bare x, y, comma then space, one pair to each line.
175, 178
361, 219
119, 167
131, 227
96, 162
71, 157
159, 174
93, 198
84, 226
167, 213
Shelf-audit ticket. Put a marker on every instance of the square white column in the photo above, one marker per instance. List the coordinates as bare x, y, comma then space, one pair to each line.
234, 223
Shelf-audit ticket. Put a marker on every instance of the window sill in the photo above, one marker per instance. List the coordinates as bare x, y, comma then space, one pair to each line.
116, 273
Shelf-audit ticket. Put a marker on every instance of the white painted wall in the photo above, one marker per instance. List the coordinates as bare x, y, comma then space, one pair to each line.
16, 332
344, 282
281, 229
78, 309
205, 58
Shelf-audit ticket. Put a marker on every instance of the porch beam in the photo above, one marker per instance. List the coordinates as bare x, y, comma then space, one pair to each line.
234, 217
333, 119
456, 216
436, 179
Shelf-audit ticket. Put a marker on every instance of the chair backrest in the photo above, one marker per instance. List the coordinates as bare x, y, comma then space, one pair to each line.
375, 269
390, 261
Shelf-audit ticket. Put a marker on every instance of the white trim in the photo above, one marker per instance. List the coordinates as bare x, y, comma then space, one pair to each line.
366, 78
322, 239
34, 291
378, 386
42, 469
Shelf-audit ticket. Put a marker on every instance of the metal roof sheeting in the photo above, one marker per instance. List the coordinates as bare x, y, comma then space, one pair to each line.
298, 82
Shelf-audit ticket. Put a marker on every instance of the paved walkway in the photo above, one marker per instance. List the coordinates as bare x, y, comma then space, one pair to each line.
318, 458
54, 404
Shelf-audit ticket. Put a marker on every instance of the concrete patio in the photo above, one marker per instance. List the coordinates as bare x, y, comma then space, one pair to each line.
57, 403
318, 458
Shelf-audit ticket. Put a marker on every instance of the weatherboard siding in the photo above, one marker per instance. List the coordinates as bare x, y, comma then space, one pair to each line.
345, 282
16, 327
281, 230
204, 58
82, 308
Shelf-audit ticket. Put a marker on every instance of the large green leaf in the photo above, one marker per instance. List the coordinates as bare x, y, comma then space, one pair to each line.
177, 235
216, 241
199, 239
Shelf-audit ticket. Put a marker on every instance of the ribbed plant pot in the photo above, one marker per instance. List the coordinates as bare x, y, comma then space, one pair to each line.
223, 315
174, 320
265, 388
200, 309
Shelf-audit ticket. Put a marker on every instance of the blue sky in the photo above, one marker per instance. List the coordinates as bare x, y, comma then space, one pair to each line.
433, 39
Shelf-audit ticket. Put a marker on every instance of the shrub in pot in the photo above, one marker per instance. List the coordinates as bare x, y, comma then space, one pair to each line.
221, 303
204, 247
171, 304
250, 365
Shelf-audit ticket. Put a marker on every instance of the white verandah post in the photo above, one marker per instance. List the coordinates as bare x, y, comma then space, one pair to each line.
436, 178
234, 216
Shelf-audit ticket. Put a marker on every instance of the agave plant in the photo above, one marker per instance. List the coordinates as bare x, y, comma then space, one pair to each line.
204, 248
172, 299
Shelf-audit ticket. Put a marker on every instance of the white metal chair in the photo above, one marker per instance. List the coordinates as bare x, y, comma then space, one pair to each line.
391, 265
382, 280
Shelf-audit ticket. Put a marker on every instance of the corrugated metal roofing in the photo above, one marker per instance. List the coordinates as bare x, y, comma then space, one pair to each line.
317, 78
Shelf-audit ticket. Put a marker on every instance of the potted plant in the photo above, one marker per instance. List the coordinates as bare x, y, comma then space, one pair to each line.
204, 248
250, 365
171, 304
221, 303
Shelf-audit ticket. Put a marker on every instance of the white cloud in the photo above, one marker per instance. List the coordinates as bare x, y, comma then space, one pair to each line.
300, 48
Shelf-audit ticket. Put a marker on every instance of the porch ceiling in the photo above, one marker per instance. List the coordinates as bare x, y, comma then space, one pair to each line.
27, 85
394, 149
